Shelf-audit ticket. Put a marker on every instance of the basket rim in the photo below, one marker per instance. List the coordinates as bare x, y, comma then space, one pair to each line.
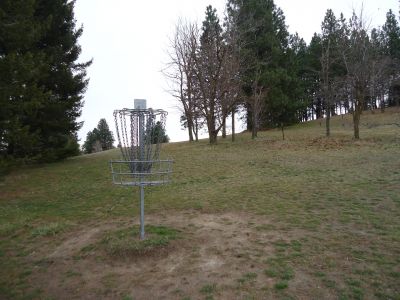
159, 175
141, 161
150, 111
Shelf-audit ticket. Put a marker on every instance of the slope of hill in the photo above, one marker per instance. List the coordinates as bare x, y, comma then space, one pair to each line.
307, 217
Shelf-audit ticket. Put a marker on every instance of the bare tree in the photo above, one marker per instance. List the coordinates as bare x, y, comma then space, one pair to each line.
215, 74
356, 54
181, 72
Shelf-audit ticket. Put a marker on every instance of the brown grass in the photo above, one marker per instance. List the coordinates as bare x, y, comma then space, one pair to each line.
308, 217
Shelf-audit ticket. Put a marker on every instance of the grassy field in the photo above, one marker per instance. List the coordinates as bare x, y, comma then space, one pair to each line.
305, 218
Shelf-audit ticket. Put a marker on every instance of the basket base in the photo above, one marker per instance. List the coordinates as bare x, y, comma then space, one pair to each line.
131, 173
145, 183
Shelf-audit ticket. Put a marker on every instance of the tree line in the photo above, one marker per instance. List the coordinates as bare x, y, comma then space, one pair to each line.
250, 63
99, 139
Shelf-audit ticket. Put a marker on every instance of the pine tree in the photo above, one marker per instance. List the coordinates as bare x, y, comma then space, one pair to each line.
265, 71
286, 100
41, 85
20, 95
88, 145
158, 134
391, 41
391, 35
329, 58
312, 70
105, 136
99, 139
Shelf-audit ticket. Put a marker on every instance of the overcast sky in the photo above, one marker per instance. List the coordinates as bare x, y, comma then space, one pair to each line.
128, 40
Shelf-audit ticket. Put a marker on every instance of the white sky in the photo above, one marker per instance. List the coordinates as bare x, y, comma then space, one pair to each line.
128, 40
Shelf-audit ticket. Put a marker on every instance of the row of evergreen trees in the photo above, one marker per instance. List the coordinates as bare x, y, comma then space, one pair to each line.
252, 63
99, 139
41, 82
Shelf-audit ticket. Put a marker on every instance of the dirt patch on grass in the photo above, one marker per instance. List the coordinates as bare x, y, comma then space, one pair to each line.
222, 256
77, 241
323, 143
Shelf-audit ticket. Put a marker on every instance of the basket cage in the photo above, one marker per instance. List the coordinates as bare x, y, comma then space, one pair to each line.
140, 133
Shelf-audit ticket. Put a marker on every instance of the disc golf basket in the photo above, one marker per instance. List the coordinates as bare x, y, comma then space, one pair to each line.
140, 132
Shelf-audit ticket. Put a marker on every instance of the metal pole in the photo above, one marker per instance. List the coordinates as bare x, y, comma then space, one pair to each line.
141, 157
142, 212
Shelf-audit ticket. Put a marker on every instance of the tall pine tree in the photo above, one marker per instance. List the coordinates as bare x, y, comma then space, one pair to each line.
41, 83
391, 38
269, 70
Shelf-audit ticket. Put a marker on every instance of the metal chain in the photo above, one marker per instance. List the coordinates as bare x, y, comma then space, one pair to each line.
133, 146
124, 135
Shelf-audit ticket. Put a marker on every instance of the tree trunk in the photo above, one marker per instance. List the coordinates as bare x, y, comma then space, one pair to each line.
283, 132
233, 125
196, 133
356, 123
254, 128
249, 117
213, 137
358, 104
328, 119
318, 109
224, 127
212, 132
190, 128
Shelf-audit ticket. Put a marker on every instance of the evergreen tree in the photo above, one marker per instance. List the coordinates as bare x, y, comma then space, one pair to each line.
391, 35
100, 139
158, 134
41, 85
88, 145
329, 59
381, 70
105, 136
268, 71
312, 70
391, 41
20, 95
254, 22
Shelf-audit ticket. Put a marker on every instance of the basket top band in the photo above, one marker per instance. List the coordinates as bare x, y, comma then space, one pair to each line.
132, 111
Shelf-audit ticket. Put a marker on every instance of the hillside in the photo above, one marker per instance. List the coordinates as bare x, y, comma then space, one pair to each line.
307, 217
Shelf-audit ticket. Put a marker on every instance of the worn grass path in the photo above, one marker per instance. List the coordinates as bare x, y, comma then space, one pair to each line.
311, 217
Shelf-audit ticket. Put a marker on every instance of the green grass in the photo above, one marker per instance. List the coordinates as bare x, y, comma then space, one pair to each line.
281, 285
50, 229
335, 202
208, 288
125, 242
248, 277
